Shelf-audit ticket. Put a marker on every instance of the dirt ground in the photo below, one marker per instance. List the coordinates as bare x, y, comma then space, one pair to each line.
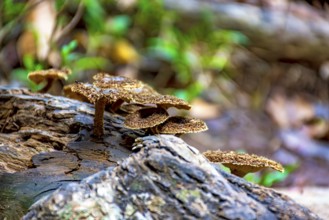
315, 198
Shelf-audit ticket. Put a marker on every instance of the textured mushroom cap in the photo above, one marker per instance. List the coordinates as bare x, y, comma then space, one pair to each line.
135, 91
241, 163
73, 95
146, 118
180, 125
164, 101
43, 75
93, 93
104, 80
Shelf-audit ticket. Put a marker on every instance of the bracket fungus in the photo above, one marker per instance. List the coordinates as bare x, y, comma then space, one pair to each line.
49, 76
146, 118
150, 111
241, 164
180, 125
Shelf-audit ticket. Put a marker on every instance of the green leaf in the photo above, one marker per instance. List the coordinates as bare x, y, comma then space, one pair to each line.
59, 4
163, 49
94, 15
29, 62
86, 63
118, 25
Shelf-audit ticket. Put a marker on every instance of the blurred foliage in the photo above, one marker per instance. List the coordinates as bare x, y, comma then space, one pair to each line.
147, 30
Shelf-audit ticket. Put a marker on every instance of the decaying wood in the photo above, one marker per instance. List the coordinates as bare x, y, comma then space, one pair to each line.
49, 138
46, 142
277, 30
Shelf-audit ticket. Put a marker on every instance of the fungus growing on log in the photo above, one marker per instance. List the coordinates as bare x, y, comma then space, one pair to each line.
241, 164
146, 118
180, 125
49, 76
164, 101
100, 98
115, 90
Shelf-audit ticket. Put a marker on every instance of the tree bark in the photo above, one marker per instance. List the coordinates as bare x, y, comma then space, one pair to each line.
46, 145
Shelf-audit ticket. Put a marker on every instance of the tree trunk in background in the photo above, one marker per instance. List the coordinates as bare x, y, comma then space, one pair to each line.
277, 30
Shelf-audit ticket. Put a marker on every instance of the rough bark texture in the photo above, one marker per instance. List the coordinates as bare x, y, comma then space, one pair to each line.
164, 178
277, 30
46, 142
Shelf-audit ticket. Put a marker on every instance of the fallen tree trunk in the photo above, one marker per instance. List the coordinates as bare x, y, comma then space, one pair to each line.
162, 178
280, 30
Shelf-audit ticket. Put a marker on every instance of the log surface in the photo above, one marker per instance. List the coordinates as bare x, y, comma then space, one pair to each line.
46, 146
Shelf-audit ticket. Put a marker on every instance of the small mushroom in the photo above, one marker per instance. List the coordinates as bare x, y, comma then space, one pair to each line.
241, 164
99, 97
127, 87
49, 76
180, 125
146, 118
115, 90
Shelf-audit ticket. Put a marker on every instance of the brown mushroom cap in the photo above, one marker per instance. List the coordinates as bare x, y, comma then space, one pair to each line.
180, 125
73, 95
92, 93
146, 118
104, 80
240, 163
52, 74
135, 91
164, 101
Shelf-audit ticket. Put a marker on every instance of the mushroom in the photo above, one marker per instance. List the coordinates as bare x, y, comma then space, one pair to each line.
163, 101
180, 125
137, 92
49, 76
241, 164
146, 118
127, 87
99, 97
73, 95
116, 90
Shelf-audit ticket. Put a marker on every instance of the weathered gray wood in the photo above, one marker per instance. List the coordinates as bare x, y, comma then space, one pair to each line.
166, 179
46, 144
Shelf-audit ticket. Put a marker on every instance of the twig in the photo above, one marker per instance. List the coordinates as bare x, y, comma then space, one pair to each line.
72, 23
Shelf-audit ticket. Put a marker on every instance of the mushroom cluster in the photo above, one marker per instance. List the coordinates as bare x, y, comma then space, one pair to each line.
142, 106
241, 164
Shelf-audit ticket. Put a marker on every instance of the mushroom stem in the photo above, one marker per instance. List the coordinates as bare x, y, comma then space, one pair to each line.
99, 116
47, 86
238, 173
